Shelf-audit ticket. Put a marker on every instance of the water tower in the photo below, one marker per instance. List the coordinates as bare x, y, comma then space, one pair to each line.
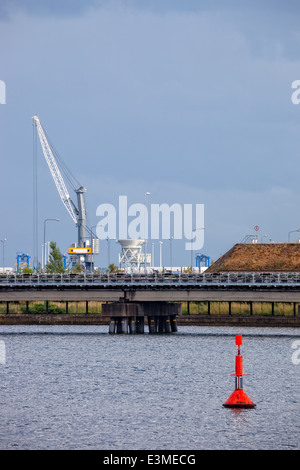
131, 257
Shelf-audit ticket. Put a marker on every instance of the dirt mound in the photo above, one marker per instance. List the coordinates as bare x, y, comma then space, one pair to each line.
259, 257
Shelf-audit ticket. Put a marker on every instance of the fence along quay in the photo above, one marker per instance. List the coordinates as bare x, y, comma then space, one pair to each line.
130, 299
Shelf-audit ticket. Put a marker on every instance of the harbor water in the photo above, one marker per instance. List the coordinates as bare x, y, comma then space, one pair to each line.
77, 387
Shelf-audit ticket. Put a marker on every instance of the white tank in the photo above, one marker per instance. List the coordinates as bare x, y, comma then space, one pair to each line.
131, 257
131, 244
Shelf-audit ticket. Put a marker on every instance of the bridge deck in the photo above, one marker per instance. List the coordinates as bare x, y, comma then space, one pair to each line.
151, 280
241, 287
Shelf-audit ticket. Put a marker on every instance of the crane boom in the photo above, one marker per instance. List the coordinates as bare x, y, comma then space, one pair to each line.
55, 172
77, 213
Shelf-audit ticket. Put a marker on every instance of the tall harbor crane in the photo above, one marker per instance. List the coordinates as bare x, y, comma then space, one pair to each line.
77, 213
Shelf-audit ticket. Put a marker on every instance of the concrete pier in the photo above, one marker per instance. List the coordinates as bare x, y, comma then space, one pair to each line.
132, 325
129, 317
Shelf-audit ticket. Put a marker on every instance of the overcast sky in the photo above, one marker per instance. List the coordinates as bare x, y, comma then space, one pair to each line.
189, 100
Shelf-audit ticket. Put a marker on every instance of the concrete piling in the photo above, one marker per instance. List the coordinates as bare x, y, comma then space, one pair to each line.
151, 324
155, 324
167, 326
132, 325
173, 322
160, 324
118, 326
140, 325
124, 325
112, 326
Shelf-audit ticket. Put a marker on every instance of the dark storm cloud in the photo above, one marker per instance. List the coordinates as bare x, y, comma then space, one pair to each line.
190, 100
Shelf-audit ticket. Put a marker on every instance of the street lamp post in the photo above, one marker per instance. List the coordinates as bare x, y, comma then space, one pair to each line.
146, 235
46, 220
152, 255
43, 252
171, 262
292, 231
108, 253
160, 254
3, 242
92, 233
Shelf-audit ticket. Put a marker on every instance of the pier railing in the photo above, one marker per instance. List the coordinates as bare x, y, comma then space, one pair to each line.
272, 279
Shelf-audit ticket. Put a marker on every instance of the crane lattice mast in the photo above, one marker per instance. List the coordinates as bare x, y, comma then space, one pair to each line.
54, 170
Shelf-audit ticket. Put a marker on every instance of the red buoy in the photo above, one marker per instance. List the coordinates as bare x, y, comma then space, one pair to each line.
239, 399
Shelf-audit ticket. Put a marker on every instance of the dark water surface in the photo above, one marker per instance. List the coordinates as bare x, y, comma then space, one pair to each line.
77, 387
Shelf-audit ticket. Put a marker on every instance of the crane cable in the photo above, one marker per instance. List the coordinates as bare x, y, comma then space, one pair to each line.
73, 181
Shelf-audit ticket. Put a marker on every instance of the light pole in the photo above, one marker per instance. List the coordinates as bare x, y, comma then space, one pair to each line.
152, 256
108, 253
171, 254
3, 242
160, 254
92, 233
146, 235
292, 231
46, 220
108, 249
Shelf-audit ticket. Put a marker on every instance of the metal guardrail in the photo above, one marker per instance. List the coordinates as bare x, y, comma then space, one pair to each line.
272, 279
